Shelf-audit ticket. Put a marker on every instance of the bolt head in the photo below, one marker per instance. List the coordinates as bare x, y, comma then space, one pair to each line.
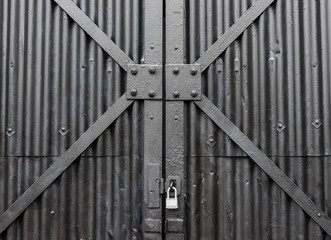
63, 129
211, 140
279, 125
133, 92
10, 129
194, 71
176, 94
317, 121
152, 70
151, 93
319, 215
134, 71
175, 70
194, 93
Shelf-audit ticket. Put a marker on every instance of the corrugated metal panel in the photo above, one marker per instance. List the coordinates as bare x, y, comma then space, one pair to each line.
57, 77
231, 198
96, 198
278, 71
54, 76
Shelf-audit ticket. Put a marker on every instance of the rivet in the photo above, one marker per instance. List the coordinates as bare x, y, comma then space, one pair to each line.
317, 123
194, 93
63, 131
175, 70
319, 215
151, 70
176, 117
10, 131
11, 65
151, 93
280, 126
134, 71
211, 140
193, 71
133, 92
83, 66
176, 47
152, 46
152, 117
52, 212
176, 94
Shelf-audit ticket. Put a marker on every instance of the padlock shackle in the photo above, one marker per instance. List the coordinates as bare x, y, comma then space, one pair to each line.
168, 191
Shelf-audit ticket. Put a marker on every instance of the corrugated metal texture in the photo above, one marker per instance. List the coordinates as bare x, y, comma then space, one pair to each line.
96, 198
278, 71
54, 76
231, 198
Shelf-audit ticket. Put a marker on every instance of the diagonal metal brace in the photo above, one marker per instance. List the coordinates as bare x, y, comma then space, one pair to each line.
63, 162
233, 33
95, 33
265, 163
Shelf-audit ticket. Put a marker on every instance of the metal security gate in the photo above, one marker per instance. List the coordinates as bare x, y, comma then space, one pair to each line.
70, 169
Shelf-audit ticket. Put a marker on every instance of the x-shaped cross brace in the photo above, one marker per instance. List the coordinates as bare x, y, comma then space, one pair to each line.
68, 157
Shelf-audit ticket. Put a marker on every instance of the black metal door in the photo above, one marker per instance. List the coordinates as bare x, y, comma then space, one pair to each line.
175, 68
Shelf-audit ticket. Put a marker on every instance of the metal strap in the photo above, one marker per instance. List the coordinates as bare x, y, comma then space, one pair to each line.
265, 163
233, 33
63, 162
95, 32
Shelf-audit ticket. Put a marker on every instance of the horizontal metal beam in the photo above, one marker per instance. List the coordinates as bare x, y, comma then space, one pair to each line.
233, 33
63, 162
95, 32
265, 163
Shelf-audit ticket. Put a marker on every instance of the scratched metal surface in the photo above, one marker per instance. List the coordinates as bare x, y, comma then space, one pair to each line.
278, 71
54, 76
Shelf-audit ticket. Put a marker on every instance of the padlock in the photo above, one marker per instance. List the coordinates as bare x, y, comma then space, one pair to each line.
171, 203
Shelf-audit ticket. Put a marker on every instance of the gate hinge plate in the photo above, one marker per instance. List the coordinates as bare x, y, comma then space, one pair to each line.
183, 82
144, 82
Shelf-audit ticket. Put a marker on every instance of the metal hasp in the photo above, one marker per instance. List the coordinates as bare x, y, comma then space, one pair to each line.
173, 181
183, 82
154, 181
144, 82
